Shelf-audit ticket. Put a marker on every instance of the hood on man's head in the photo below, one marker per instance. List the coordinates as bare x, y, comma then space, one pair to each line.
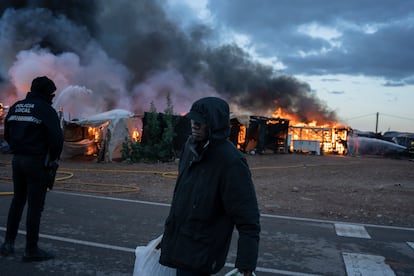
196, 116
43, 85
213, 111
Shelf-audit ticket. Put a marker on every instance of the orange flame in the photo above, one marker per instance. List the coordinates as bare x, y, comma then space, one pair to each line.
241, 139
331, 136
136, 137
295, 120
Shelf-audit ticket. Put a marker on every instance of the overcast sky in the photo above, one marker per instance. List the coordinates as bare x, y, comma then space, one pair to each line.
357, 55
324, 61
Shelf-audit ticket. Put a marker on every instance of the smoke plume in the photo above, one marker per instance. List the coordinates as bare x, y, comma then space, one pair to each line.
127, 54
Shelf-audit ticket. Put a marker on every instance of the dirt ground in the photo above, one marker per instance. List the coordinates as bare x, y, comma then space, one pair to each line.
373, 190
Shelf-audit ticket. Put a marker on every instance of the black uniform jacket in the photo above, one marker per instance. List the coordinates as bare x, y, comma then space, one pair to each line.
214, 192
32, 127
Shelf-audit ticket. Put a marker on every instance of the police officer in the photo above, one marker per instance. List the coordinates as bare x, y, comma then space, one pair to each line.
33, 131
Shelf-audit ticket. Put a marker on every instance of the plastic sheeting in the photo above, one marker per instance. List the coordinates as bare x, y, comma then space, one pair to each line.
118, 125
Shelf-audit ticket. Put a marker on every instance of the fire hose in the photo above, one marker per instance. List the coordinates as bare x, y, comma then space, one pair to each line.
120, 188
123, 188
8, 179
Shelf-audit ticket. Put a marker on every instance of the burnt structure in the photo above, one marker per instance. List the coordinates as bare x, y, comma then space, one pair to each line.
82, 140
265, 133
75, 133
318, 140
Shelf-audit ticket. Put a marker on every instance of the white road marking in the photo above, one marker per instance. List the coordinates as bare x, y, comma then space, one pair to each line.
366, 265
348, 257
263, 215
277, 271
132, 250
87, 243
337, 221
114, 198
351, 230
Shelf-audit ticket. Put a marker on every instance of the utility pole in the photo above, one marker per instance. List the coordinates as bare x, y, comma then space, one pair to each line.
376, 124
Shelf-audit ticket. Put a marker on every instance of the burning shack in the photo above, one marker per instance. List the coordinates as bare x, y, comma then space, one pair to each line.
100, 135
327, 136
317, 140
261, 133
276, 134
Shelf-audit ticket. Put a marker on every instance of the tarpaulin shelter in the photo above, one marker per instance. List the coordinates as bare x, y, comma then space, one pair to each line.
102, 134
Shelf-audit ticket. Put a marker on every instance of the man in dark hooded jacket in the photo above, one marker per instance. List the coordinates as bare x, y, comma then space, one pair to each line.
33, 131
214, 192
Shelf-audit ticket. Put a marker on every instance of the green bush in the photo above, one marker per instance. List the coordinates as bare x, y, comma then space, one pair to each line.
159, 132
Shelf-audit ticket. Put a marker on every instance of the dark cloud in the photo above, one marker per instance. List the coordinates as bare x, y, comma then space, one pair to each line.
82, 12
394, 84
385, 52
126, 51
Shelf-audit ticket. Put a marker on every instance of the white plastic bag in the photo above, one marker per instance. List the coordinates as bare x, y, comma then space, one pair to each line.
235, 272
146, 261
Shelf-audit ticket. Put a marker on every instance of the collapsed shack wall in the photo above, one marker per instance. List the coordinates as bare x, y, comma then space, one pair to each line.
265, 133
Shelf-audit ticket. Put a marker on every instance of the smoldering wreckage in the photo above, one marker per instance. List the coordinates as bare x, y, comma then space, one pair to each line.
102, 136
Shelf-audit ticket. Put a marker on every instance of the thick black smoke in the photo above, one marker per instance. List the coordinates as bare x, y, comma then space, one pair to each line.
127, 54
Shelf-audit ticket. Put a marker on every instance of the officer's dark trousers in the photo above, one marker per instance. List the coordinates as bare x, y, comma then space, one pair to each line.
28, 181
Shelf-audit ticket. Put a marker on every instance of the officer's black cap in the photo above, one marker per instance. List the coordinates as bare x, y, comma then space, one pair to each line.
43, 85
